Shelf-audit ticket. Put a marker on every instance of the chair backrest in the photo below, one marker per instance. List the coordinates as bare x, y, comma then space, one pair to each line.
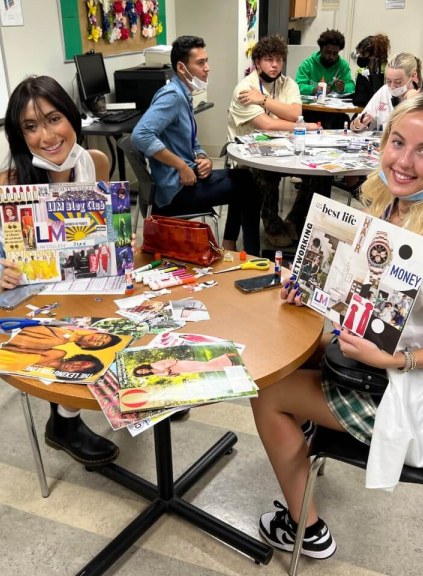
138, 163
341, 446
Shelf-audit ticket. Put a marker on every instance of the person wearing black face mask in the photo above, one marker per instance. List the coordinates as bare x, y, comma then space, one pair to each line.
372, 56
267, 100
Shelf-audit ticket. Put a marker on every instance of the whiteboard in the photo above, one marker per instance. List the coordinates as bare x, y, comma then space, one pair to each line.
296, 54
4, 84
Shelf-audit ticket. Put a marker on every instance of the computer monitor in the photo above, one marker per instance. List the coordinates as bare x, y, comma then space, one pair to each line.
92, 78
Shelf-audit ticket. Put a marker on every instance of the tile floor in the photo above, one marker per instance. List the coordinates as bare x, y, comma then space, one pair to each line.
377, 533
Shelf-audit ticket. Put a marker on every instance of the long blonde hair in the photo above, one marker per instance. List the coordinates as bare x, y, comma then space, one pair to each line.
375, 194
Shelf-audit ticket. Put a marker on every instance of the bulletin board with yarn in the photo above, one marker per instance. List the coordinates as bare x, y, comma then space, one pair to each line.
112, 27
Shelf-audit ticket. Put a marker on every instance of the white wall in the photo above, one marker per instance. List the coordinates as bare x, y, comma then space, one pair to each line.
221, 37
357, 19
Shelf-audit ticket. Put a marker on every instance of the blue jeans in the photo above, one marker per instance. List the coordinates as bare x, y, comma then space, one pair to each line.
234, 187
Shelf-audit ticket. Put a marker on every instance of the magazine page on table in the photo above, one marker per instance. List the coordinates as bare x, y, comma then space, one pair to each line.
106, 392
69, 231
359, 271
61, 353
184, 375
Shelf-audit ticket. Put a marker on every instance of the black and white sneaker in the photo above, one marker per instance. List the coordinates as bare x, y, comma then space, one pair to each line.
278, 530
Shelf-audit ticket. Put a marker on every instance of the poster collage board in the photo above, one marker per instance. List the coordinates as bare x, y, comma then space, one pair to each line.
359, 271
67, 231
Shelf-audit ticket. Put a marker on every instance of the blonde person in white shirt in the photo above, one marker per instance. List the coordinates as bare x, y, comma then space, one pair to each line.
402, 80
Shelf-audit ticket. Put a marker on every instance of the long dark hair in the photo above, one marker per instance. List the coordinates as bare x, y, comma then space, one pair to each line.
20, 168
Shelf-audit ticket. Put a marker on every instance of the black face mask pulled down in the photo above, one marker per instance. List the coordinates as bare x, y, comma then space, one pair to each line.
268, 79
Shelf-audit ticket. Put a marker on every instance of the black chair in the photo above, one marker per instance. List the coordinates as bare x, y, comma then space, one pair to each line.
147, 187
341, 446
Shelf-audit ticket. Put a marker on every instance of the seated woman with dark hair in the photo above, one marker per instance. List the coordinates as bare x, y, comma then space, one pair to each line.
43, 128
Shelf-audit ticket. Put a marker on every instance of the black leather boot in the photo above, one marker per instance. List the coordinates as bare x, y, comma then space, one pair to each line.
75, 438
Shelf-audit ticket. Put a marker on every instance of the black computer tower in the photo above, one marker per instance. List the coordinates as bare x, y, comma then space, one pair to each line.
140, 84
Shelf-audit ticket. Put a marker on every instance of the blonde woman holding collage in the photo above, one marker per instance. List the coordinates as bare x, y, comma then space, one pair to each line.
392, 424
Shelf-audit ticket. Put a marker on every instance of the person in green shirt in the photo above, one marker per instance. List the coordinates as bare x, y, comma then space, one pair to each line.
326, 66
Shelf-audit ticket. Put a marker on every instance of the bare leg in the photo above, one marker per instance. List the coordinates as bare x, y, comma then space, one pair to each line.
277, 411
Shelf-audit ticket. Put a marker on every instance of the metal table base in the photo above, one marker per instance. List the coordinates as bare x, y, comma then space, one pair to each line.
167, 497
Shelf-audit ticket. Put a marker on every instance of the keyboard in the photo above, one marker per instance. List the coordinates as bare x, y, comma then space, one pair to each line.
119, 116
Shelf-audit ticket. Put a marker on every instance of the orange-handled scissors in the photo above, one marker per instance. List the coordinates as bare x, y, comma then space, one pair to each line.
254, 264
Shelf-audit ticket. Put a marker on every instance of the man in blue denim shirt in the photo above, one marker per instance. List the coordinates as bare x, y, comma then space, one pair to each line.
183, 174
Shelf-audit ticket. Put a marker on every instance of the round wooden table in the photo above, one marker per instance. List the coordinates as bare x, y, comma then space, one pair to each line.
278, 339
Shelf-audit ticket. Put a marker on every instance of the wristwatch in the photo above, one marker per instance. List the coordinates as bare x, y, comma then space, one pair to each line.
379, 255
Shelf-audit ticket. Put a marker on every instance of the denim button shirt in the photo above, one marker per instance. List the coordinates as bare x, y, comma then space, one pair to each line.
168, 123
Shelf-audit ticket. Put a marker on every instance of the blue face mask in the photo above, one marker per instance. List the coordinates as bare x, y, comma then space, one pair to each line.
416, 197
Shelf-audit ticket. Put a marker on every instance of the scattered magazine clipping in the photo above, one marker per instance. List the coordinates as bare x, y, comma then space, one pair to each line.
359, 271
117, 326
278, 147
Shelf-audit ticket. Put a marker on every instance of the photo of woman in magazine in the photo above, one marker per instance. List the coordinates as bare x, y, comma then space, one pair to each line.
173, 366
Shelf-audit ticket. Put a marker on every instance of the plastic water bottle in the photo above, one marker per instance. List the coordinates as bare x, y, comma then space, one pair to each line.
300, 130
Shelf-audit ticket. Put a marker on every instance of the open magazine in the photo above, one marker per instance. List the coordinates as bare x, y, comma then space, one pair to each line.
61, 353
68, 231
277, 147
358, 270
184, 375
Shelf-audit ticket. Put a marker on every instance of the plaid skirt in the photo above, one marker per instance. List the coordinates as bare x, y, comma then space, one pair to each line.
355, 411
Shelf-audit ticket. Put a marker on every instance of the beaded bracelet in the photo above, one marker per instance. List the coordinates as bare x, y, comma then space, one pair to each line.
263, 104
410, 360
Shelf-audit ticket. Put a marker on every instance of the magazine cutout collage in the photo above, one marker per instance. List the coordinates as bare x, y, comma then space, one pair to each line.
359, 271
56, 232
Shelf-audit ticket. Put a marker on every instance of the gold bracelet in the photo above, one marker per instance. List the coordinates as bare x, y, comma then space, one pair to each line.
263, 104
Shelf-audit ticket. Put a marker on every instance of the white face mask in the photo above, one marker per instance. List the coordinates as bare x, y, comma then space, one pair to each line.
68, 164
397, 92
195, 83
416, 197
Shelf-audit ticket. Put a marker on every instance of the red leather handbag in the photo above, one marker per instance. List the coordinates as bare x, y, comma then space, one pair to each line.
183, 240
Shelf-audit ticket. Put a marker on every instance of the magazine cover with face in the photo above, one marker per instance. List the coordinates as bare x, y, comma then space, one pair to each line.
61, 353
359, 271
